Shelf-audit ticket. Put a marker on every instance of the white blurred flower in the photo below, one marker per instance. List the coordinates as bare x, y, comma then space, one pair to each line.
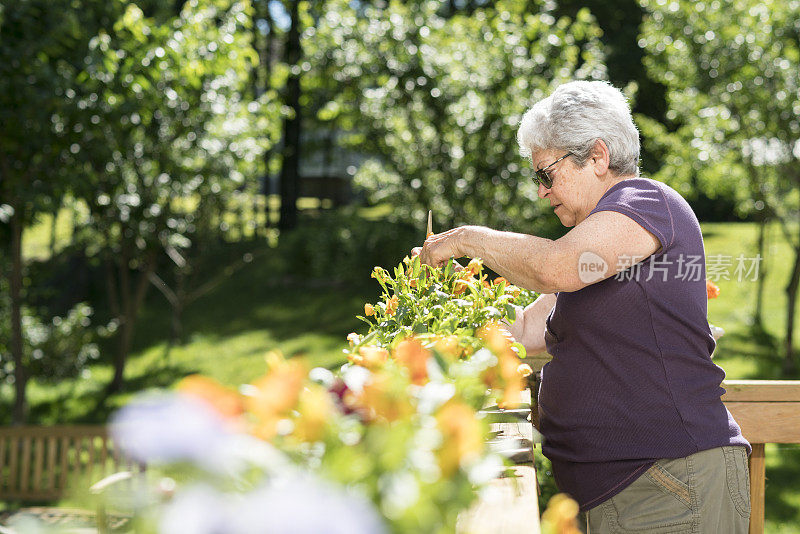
716, 331
196, 510
355, 377
303, 505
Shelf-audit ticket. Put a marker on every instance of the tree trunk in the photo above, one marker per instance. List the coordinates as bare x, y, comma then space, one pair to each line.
53, 230
291, 127
758, 318
267, 55
132, 299
789, 365
20, 374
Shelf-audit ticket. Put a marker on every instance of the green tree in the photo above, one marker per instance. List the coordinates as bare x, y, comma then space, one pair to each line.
42, 46
437, 101
732, 71
165, 138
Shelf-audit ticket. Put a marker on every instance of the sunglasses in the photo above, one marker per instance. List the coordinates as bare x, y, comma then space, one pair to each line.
541, 176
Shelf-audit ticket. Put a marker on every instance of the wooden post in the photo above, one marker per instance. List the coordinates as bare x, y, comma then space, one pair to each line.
758, 480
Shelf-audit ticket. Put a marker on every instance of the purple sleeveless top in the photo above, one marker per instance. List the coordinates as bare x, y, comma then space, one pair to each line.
631, 379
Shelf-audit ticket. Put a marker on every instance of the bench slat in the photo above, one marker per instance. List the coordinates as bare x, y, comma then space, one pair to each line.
25, 465
38, 464
62, 475
52, 449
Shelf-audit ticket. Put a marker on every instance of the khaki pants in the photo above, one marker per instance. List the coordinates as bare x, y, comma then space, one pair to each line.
703, 493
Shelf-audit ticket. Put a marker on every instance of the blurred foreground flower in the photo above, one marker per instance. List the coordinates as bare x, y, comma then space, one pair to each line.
561, 516
300, 504
167, 428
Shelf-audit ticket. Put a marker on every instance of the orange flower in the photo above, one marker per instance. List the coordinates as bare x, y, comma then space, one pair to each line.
370, 357
276, 394
711, 289
384, 399
391, 305
369, 309
224, 400
411, 355
500, 279
462, 436
459, 287
412, 283
505, 377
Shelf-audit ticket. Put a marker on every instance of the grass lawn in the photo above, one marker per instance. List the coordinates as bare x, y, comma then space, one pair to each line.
231, 329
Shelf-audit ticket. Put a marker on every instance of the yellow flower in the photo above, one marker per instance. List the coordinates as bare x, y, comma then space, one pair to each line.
449, 346
462, 436
314, 412
474, 266
369, 309
525, 370
561, 514
379, 274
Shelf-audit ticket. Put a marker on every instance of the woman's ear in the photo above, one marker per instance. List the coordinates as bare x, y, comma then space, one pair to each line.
601, 158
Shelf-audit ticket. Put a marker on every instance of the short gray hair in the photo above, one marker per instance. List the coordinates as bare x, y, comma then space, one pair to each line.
575, 116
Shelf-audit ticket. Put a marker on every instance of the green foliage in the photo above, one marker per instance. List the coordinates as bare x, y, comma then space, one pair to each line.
54, 348
343, 246
438, 107
418, 299
166, 124
731, 70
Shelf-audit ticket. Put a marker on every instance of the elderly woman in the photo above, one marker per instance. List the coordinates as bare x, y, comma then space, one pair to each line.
629, 405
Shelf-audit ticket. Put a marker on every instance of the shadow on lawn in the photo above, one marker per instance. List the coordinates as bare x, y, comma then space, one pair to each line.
95, 403
768, 354
781, 484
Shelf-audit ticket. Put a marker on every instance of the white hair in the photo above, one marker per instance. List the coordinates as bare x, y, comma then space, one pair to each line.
575, 116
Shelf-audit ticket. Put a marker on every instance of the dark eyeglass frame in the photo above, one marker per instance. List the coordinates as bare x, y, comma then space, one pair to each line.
541, 176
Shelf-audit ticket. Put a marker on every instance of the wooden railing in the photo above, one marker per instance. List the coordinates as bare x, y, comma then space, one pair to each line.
768, 411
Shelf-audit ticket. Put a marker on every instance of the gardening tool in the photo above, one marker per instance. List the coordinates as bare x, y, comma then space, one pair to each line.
430, 224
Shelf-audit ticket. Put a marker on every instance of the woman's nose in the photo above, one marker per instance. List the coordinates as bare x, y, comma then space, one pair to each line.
543, 191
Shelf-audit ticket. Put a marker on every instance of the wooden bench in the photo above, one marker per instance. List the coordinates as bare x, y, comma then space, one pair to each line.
42, 463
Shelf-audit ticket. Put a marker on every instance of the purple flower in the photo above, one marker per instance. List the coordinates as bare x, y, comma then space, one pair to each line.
169, 428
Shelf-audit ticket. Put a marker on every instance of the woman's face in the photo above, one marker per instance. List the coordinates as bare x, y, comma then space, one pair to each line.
569, 194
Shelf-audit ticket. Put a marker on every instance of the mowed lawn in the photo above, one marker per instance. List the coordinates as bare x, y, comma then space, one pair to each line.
230, 330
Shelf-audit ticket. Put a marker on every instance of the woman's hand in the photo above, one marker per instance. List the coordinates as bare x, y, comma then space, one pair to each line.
438, 248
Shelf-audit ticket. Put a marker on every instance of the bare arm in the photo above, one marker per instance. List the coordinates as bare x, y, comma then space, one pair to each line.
611, 241
529, 327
